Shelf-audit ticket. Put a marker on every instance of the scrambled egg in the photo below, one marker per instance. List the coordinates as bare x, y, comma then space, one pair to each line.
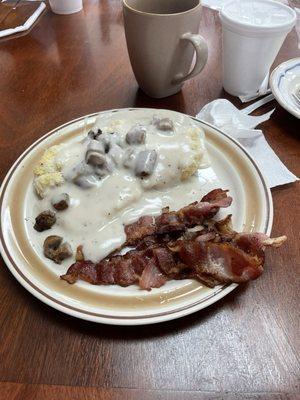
47, 173
197, 148
111, 126
179, 158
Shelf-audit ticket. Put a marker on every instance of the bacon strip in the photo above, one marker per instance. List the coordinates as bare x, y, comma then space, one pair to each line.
213, 255
177, 221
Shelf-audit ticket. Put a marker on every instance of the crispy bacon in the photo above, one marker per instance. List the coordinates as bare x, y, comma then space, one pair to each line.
214, 254
85, 270
152, 277
177, 221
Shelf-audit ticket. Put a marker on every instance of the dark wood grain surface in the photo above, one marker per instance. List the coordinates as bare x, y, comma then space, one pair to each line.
245, 346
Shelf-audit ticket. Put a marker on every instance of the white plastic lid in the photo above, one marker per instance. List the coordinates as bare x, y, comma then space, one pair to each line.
258, 16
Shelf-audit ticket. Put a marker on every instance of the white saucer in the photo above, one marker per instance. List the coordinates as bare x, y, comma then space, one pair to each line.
284, 82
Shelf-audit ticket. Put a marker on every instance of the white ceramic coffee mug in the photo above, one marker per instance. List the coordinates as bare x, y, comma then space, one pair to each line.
162, 36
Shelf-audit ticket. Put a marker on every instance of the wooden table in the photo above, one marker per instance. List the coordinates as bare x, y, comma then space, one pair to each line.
245, 346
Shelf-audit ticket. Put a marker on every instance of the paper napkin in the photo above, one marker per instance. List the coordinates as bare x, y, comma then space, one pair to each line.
224, 115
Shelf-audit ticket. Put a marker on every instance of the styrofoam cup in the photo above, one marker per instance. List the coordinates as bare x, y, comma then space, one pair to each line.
253, 33
65, 6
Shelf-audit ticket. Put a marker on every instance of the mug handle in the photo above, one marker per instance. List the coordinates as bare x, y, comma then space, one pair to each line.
201, 49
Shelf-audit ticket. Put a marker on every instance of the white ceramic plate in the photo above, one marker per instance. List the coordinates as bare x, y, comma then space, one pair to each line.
252, 210
284, 81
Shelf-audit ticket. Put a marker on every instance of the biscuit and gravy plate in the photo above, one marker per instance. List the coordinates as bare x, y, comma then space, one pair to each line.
81, 191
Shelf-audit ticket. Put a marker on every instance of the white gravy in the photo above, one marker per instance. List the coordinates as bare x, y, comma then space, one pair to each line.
96, 216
